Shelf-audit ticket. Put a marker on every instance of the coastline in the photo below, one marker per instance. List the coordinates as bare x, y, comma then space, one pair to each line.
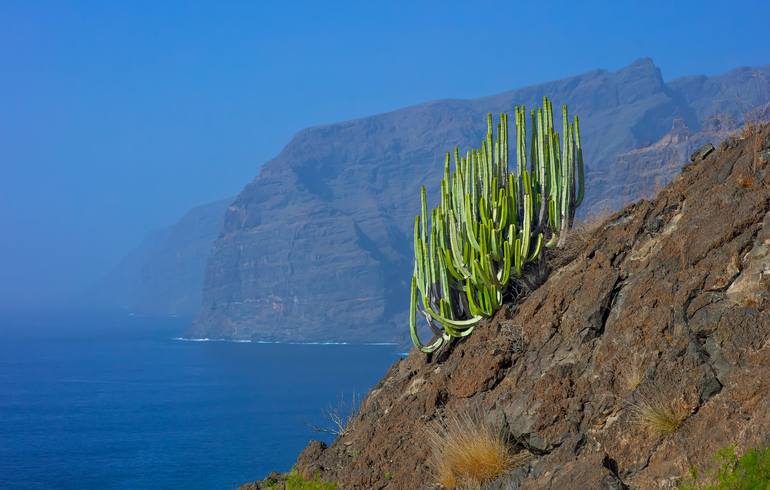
249, 341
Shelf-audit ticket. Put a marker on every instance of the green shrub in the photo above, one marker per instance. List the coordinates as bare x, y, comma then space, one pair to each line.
749, 472
485, 237
295, 481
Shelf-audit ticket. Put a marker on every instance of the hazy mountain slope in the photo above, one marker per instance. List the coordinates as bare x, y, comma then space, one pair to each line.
734, 94
164, 274
318, 246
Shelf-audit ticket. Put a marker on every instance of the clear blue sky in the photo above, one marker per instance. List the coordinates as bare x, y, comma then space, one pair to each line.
117, 117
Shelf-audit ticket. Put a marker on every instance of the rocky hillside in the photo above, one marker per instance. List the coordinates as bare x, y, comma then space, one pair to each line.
317, 247
164, 274
666, 303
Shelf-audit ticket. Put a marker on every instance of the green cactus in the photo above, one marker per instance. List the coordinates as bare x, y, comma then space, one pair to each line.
486, 235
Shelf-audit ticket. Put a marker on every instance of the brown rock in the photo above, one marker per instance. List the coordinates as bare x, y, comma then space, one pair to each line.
308, 462
667, 302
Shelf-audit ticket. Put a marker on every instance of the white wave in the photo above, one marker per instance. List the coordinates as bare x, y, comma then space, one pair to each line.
247, 341
315, 343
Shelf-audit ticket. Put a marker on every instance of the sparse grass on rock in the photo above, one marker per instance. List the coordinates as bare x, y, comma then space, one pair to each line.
577, 238
468, 453
632, 374
659, 416
339, 417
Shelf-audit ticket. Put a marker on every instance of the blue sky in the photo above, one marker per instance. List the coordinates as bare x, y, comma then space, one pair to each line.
117, 117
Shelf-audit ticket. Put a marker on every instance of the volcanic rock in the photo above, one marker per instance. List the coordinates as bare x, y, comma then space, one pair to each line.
668, 301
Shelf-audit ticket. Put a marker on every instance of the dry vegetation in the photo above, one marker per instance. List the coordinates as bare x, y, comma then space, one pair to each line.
745, 181
577, 238
339, 417
749, 302
659, 416
632, 374
468, 453
752, 131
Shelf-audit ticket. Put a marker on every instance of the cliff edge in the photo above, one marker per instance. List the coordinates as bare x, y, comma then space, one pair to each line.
666, 302
337, 205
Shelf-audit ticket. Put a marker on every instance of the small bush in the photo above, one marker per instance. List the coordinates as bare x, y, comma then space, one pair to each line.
577, 239
749, 472
753, 130
747, 182
295, 481
339, 417
660, 417
468, 453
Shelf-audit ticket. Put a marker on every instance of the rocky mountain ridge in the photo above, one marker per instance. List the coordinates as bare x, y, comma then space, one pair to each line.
317, 247
664, 304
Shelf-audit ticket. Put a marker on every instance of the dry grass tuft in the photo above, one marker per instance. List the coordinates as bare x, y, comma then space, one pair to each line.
468, 453
753, 130
578, 237
632, 374
746, 182
660, 417
750, 302
750, 129
339, 416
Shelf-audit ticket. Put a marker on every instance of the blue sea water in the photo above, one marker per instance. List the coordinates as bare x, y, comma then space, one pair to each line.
105, 401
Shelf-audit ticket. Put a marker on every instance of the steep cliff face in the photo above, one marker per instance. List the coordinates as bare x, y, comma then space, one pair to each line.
643, 171
317, 246
164, 274
668, 301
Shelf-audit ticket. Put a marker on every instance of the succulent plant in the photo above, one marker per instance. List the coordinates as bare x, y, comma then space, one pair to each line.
485, 237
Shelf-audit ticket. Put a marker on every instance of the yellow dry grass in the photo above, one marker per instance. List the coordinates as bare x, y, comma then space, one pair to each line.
468, 453
752, 129
660, 417
746, 182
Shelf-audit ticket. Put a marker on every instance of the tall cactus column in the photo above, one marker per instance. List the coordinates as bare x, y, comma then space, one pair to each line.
491, 222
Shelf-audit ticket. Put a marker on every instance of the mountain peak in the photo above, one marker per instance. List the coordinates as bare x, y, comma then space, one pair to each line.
643, 62
643, 68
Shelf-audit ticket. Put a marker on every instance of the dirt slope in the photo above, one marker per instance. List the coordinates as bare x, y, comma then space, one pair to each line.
668, 300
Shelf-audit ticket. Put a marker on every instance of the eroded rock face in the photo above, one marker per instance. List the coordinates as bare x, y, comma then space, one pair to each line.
318, 246
668, 300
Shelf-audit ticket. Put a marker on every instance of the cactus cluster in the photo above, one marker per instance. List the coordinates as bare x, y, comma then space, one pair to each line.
489, 228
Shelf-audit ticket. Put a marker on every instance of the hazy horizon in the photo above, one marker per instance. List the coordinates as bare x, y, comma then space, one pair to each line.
118, 119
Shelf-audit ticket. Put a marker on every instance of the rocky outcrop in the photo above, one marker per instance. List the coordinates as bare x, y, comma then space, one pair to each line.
164, 274
317, 247
668, 301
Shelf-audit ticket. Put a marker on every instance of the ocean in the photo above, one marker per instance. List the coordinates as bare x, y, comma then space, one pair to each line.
113, 401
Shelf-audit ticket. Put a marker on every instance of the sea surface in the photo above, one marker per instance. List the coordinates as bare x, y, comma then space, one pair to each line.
114, 401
